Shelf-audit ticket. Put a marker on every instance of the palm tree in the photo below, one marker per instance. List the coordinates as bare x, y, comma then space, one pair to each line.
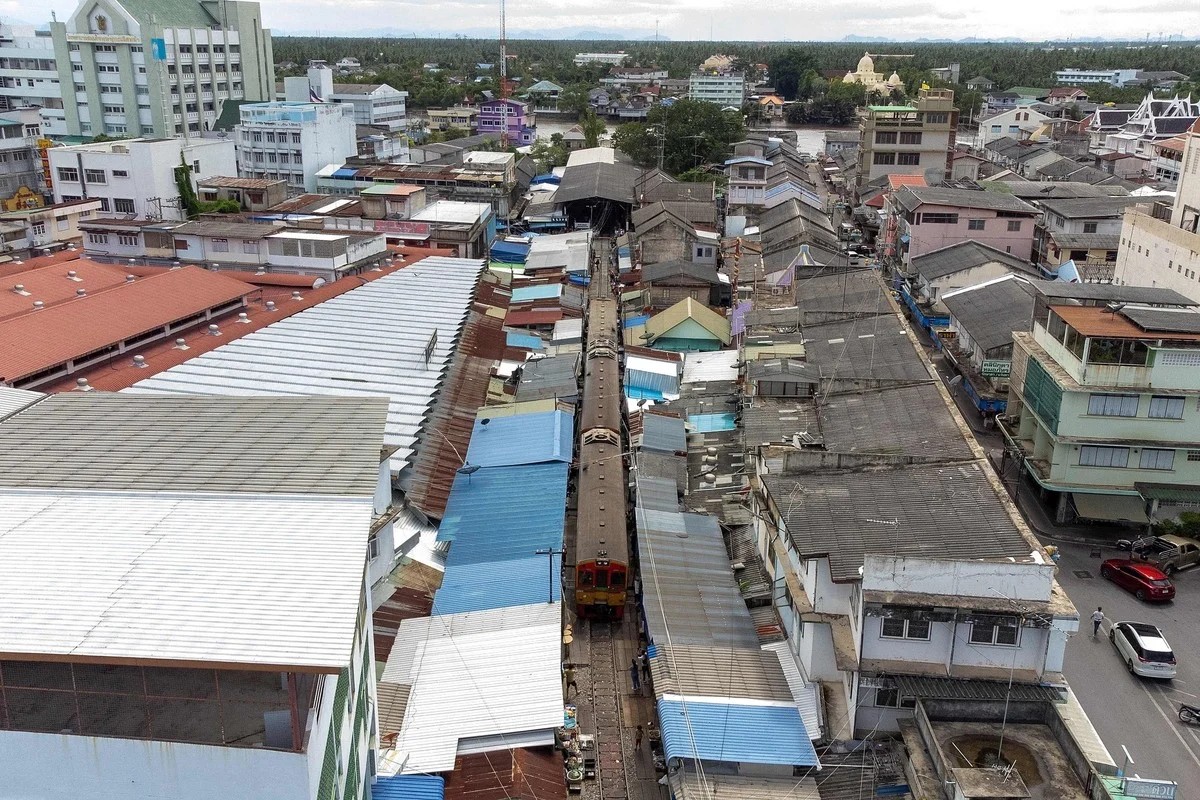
593, 128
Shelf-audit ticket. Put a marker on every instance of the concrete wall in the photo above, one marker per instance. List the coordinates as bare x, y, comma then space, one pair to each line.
51, 766
927, 237
958, 578
1155, 253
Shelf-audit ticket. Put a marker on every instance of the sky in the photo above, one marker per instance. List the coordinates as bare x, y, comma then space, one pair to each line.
724, 20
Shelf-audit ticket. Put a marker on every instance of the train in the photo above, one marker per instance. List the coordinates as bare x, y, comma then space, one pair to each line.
602, 572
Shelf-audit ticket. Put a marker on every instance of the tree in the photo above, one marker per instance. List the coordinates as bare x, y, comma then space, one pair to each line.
549, 155
752, 110
593, 128
788, 68
694, 132
702, 175
573, 99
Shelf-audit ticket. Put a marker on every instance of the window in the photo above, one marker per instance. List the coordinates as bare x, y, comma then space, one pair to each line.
885, 137
38, 228
1193, 455
104, 204
373, 547
123, 205
220, 245
95, 176
256, 136
250, 246
884, 158
895, 628
1166, 407
937, 118
105, 48
1153, 458
938, 219
295, 136
1113, 405
98, 238
68, 174
1089, 227
891, 698
998, 631
1097, 456
120, 173
908, 159
1014, 225
910, 137
975, 224
995, 129
127, 239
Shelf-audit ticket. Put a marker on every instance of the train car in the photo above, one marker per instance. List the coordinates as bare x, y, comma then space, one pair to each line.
602, 545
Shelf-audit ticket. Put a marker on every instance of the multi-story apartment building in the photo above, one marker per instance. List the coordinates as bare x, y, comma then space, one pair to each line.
726, 90
908, 140
293, 141
616, 59
510, 118
140, 68
1082, 77
373, 103
929, 218
137, 177
1160, 243
249, 672
1101, 409
21, 183
29, 76
1080, 229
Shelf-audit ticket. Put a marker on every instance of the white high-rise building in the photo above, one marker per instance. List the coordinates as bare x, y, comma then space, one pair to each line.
29, 76
146, 68
373, 103
292, 141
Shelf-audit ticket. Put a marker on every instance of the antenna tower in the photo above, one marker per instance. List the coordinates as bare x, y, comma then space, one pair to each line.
503, 80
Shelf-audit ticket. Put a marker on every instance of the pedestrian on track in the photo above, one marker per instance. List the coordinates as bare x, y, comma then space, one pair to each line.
637, 738
633, 675
645, 659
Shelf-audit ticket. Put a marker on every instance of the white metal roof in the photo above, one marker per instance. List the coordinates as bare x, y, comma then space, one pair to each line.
13, 400
308, 235
592, 155
369, 341
161, 577
479, 675
807, 695
452, 211
717, 365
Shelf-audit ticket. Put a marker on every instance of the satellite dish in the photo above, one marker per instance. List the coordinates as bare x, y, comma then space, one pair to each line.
468, 469
485, 421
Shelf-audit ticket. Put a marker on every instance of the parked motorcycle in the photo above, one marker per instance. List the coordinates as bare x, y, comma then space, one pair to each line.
1189, 714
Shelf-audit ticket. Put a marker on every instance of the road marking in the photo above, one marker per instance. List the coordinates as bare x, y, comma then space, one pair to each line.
1171, 722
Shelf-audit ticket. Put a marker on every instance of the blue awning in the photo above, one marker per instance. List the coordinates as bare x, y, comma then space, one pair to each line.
499, 584
737, 732
344, 172
409, 787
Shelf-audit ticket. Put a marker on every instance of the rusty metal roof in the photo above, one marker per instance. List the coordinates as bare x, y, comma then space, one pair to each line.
527, 773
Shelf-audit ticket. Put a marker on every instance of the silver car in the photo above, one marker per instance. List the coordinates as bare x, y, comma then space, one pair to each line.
1144, 649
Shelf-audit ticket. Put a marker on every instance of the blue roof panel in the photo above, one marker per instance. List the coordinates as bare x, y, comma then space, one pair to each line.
521, 439
528, 341
498, 584
750, 734
544, 291
501, 513
409, 787
344, 172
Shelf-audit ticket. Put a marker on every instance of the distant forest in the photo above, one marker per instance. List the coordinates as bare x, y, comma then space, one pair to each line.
399, 61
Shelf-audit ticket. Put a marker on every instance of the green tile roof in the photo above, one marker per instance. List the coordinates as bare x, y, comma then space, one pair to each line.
171, 13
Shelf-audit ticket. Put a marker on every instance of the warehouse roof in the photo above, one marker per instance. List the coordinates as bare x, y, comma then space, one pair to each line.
990, 312
370, 341
74, 329
13, 400
931, 511
487, 674
115, 442
55, 284
604, 181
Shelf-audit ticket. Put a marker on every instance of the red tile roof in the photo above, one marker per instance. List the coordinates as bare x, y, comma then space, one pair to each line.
52, 285
59, 257
71, 330
896, 181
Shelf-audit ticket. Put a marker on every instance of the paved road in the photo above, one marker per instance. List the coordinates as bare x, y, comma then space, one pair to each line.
1127, 710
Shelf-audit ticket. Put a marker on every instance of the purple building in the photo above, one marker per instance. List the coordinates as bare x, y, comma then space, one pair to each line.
492, 115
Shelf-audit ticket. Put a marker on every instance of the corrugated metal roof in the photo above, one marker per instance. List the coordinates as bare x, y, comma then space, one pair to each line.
505, 512
807, 696
728, 672
409, 787
100, 441
523, 772
369, 341
663, 434
954, 689
56, 284
737, 732
168, 577
687, 583
485, 585
521, 439
719, 365
527, 341
13, 400
686, 784
482, 674
966, 255
552, 377
990, 312
545, 291
657, 494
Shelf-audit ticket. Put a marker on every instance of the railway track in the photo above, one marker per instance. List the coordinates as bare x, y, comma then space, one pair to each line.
607, 677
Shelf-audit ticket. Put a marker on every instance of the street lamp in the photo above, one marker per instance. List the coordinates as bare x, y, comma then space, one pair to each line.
550, 553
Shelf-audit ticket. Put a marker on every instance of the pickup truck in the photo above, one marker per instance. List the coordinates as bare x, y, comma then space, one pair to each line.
1168, 552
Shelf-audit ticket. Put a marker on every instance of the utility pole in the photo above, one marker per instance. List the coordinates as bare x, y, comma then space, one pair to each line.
550, 553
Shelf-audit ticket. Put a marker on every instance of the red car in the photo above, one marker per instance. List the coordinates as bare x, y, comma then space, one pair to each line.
1145, 581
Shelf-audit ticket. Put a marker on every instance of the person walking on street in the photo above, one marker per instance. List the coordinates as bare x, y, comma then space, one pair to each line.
633, 675
645, 658
637, 738
1097, 619
569, 675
